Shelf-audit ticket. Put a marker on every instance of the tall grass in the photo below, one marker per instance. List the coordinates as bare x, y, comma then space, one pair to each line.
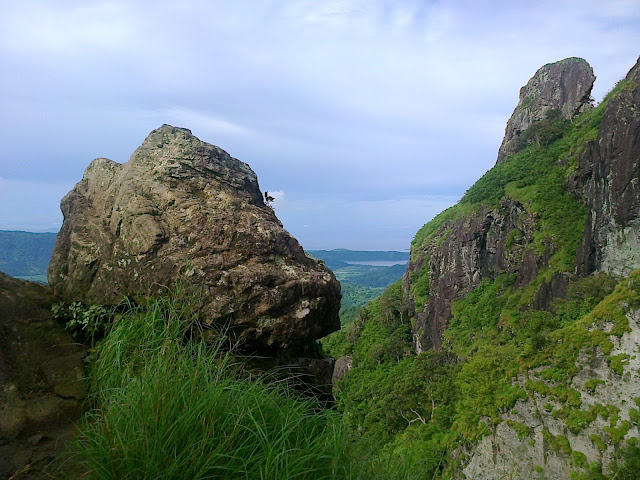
172, 408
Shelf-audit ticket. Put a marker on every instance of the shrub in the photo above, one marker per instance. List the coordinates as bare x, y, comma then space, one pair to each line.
172, 408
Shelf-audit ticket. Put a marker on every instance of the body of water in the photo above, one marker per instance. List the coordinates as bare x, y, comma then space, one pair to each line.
378, 263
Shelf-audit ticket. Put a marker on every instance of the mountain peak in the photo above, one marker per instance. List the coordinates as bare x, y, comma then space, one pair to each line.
564, 86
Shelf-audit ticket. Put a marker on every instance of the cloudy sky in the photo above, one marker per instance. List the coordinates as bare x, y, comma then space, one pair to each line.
363, 118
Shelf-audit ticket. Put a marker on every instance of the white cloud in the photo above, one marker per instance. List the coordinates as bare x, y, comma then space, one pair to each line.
207, 123
328, 101
46, 28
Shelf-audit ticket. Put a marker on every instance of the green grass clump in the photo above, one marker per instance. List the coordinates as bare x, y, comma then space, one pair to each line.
170, 407
520, 428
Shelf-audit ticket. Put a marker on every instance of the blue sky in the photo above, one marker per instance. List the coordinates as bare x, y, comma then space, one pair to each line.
366, 118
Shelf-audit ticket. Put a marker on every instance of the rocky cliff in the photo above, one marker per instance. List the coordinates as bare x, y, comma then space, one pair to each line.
540, 224
510, 348
504, 230
182, 208
608, 179
564, 86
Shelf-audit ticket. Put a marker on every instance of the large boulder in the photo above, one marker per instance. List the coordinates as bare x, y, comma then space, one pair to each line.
182, 208
564, 86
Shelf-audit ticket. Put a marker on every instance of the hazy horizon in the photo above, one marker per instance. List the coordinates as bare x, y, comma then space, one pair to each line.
364, 119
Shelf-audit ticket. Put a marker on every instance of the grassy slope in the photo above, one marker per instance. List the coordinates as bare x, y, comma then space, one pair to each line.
174, 409
414, 411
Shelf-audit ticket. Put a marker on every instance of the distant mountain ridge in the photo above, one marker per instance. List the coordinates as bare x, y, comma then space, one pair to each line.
25, 253
361, 282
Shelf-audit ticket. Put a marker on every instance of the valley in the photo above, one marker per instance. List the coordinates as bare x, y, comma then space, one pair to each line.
504, 344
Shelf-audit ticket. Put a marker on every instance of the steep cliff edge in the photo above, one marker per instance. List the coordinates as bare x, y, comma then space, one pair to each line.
182, 208
608, 177
509, 349
567, 207
564, 86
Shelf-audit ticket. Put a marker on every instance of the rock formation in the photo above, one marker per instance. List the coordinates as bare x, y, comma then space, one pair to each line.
608, 177
533, 440
607, 180
41, 381
470, 249
182, 208
565, 86
476, 245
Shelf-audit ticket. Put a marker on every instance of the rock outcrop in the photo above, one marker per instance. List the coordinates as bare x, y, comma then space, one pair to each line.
41, 381
466, 251
542, 437
544, 434
565, 86
608, 178
182, 208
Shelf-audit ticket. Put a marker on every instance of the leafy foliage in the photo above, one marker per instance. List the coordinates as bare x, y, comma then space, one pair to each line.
89, 322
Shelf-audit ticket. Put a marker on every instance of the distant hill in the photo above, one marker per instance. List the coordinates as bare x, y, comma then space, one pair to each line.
25, 254
362, 283
338, 258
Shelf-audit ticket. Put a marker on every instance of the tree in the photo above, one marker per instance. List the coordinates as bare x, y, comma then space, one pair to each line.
268, 199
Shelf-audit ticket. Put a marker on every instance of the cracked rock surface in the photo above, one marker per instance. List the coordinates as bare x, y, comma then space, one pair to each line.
183, 208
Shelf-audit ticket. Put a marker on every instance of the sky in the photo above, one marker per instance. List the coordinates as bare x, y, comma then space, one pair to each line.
364, 119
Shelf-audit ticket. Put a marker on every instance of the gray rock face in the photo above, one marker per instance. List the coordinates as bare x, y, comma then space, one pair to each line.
528, 453
182, 208
466, 251
565, 85
608, 177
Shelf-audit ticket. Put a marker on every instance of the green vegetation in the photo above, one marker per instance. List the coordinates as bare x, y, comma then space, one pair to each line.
361, 283
89, 323
411, 412
173, 408
370, 275
26, 255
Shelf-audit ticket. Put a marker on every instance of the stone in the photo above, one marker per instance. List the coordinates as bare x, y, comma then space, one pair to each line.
181, 208
565, 86
505, 454
42, 388
608, 178
342, 366
467, 251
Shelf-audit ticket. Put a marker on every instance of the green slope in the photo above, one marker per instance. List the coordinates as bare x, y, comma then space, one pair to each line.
409, 414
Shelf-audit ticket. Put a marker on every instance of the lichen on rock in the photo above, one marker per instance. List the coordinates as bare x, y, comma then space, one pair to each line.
564, 86
183, 208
